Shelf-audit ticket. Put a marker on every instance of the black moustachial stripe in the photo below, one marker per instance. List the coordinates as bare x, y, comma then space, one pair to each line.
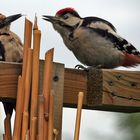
119, 43
2, 52
6, 34
89, 20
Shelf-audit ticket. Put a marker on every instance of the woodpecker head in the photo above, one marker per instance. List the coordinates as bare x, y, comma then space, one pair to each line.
5, 21
64, 20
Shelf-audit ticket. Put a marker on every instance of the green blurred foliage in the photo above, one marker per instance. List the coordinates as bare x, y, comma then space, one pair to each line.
131, 124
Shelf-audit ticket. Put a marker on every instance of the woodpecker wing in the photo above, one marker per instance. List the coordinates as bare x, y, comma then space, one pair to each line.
96, 22
119, 42
2, 52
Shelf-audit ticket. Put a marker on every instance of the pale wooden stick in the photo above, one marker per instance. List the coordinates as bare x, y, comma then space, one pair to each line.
78, 115
27, 44
18, 115
27, 135
51, 116
25, 121
40, 117
7, 126
47, 78
55, 132
35, 80
27, 94
35, 23
20, 93
33, 132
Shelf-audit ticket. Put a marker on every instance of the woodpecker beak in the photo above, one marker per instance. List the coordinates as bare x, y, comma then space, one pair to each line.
6, 21
55, 20
51, 19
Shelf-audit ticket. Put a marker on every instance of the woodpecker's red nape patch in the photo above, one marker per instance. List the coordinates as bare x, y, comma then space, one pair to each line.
65, 10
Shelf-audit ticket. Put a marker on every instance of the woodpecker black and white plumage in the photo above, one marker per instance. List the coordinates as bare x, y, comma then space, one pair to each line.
94, 41
11, 47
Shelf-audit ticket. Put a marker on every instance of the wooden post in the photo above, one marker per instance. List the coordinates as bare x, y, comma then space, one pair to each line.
58, 88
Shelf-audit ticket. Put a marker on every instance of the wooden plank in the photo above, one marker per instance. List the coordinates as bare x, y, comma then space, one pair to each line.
108, 90
58, 87
75, 81
57, 84
9, 73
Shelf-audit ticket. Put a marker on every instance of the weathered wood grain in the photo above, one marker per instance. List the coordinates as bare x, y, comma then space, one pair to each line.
58, 89
9, 73
110, 90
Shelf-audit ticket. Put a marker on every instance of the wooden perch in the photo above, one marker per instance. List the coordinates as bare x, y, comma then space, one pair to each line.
108, 90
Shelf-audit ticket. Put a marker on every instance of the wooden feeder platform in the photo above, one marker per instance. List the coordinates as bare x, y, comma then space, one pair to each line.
105, 89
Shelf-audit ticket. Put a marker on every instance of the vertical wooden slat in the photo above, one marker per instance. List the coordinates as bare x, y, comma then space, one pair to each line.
47, 78
51, 116
58, 87
40, 117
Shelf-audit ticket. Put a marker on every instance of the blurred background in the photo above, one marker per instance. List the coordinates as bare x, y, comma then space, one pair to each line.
125, 16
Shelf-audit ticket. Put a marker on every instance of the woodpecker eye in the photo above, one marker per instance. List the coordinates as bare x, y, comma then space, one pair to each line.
65, 16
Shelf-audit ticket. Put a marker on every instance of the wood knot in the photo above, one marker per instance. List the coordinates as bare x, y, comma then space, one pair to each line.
110, 83
119, 77
55, 78
133, 84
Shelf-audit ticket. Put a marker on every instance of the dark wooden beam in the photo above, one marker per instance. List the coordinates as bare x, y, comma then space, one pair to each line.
108, 90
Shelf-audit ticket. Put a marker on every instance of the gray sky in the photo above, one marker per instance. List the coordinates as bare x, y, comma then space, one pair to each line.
124, 14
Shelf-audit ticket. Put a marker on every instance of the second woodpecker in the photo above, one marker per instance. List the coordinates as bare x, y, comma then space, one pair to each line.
11, 48
94, 41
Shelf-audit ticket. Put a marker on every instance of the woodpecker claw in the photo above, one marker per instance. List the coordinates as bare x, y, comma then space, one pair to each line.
87, 68
81, 67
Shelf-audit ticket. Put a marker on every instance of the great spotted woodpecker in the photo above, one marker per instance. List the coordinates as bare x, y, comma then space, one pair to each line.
93, 40
11, 48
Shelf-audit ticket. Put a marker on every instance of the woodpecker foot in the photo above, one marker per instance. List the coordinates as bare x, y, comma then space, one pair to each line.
88, 68
81, 67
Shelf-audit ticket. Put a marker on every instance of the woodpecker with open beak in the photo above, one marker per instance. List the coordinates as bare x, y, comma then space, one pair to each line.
93, 40
11, 47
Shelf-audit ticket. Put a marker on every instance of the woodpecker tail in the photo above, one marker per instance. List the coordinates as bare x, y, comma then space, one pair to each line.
131, 60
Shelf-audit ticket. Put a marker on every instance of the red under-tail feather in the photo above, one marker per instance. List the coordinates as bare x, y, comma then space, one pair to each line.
131, 60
